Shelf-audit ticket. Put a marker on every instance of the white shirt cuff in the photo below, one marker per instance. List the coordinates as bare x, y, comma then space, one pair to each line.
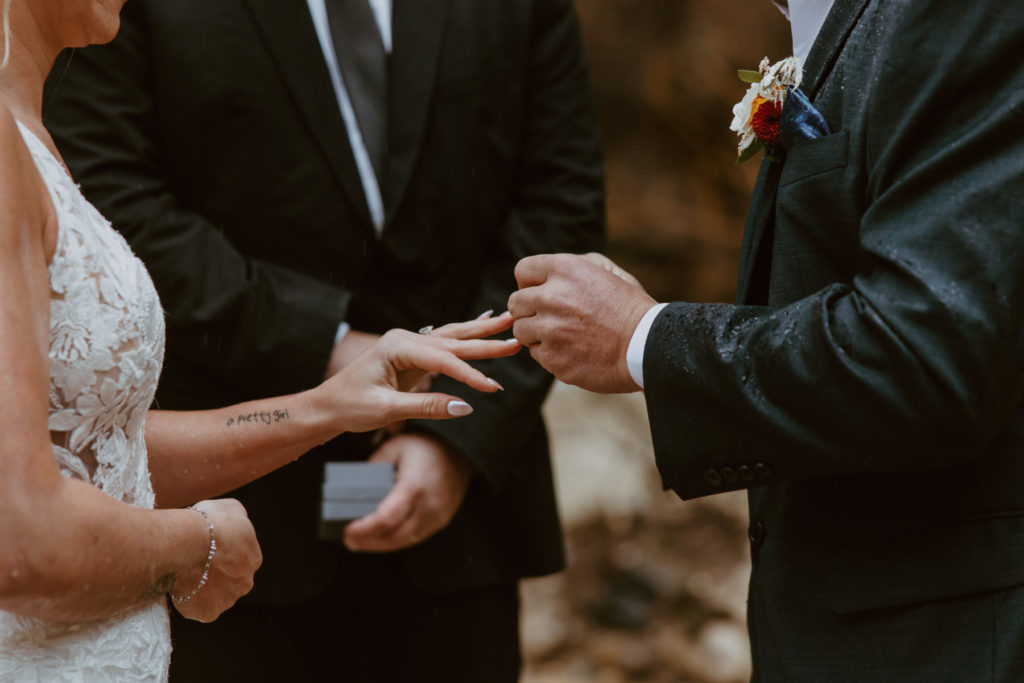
635, 351
343, 329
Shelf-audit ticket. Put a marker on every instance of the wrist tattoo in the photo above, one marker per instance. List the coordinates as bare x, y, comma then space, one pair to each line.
262, 417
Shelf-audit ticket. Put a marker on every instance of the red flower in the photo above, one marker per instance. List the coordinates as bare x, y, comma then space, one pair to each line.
765, 122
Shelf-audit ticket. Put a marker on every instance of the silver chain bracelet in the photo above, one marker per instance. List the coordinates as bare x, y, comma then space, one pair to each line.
182, 599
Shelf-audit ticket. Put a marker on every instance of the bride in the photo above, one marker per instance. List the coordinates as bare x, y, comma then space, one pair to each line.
85, 560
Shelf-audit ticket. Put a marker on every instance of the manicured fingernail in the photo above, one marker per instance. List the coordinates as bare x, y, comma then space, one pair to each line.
486, 314
459, 408
506, 314
494, 383
512, 340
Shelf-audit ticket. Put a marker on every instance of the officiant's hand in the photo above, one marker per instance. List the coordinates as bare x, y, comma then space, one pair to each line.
431, 479
234, 563
577, 314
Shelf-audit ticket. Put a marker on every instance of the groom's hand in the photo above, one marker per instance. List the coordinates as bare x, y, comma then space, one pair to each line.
577, 314
430, 483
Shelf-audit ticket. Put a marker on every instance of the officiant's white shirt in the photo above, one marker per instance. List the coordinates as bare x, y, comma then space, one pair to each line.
806, 18
371, 188
382, 13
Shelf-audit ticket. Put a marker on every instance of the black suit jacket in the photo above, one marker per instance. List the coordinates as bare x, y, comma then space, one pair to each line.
210, 135
869, 384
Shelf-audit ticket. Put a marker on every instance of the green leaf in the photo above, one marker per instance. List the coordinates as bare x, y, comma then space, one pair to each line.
748, 76
750, 151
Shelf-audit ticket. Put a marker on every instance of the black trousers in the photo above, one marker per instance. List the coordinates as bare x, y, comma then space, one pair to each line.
373, 626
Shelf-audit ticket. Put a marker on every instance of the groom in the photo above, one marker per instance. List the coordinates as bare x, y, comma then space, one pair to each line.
868, 387
299, 177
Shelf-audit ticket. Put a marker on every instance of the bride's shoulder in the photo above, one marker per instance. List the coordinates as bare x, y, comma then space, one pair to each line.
11, 140
26, 202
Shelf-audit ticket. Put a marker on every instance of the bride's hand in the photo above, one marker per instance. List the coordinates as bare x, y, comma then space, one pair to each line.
373, 390
234, 563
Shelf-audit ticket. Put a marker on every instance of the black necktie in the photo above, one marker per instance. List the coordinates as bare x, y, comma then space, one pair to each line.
363, 64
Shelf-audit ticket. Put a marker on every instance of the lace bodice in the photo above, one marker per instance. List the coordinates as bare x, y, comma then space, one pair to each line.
106, 350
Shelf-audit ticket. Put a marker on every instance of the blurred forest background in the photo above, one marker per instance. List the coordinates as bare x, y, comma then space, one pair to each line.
656, 588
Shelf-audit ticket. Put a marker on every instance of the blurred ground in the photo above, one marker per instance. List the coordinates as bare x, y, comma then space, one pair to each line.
656, 588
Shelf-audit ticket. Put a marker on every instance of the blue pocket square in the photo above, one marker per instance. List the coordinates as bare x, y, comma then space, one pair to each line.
799, 120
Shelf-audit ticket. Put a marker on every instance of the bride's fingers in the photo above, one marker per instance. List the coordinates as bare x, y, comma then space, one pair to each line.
475, 329
479, 349
433, 406
446, 362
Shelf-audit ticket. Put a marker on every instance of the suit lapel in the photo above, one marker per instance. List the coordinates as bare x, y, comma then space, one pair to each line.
826, 49
758, 217
417, 32
291, 38
829, 43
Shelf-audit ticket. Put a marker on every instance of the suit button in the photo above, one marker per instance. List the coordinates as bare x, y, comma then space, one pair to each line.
746, 474
762, 471
756, 534
712, 477
729, 475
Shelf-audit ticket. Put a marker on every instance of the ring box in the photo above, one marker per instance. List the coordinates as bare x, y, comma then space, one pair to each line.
352, 490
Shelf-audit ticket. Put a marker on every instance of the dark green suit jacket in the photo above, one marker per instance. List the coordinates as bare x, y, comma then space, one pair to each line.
868, 385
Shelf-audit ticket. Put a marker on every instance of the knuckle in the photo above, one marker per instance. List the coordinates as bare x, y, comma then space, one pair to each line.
434, 405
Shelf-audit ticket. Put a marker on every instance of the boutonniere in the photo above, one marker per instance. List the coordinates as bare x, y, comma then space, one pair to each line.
774, 113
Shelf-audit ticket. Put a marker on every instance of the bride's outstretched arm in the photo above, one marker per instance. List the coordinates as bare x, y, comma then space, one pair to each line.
68, 551
196, 455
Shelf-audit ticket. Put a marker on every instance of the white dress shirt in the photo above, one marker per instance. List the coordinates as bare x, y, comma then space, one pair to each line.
371, 188
806, 18
382, 13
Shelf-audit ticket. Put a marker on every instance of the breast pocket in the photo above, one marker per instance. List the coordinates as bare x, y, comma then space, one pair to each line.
815, 157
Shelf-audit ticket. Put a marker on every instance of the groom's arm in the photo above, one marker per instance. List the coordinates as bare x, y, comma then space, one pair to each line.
913, 364
233, 315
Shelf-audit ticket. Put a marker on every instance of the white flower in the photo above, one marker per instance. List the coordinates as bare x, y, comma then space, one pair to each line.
773, 85
742, 110
777, 77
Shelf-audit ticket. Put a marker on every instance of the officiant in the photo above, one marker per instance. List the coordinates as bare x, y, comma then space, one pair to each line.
299, 177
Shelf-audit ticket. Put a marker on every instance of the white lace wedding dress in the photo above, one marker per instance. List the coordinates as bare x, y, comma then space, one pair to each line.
106, 350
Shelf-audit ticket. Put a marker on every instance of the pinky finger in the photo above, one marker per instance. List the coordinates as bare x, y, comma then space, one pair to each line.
428, 407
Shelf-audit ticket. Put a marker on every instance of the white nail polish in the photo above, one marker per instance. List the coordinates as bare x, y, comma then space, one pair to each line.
513, 340
486, 314
494, 383
459, 408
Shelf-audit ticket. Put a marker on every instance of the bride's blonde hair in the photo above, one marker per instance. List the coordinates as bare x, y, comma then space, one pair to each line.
7, 33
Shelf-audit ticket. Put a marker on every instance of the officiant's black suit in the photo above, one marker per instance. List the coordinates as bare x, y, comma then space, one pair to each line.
210, 135
868, 388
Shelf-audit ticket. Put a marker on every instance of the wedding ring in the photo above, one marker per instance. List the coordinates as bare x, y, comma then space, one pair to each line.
426, 329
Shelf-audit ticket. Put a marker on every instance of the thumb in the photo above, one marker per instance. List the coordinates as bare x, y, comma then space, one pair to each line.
431, 406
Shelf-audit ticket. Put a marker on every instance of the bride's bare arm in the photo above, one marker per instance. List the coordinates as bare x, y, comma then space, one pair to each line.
68, 551
201, 454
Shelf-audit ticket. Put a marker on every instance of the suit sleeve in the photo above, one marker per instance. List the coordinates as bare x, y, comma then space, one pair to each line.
230, 315
557, 205
915, 364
